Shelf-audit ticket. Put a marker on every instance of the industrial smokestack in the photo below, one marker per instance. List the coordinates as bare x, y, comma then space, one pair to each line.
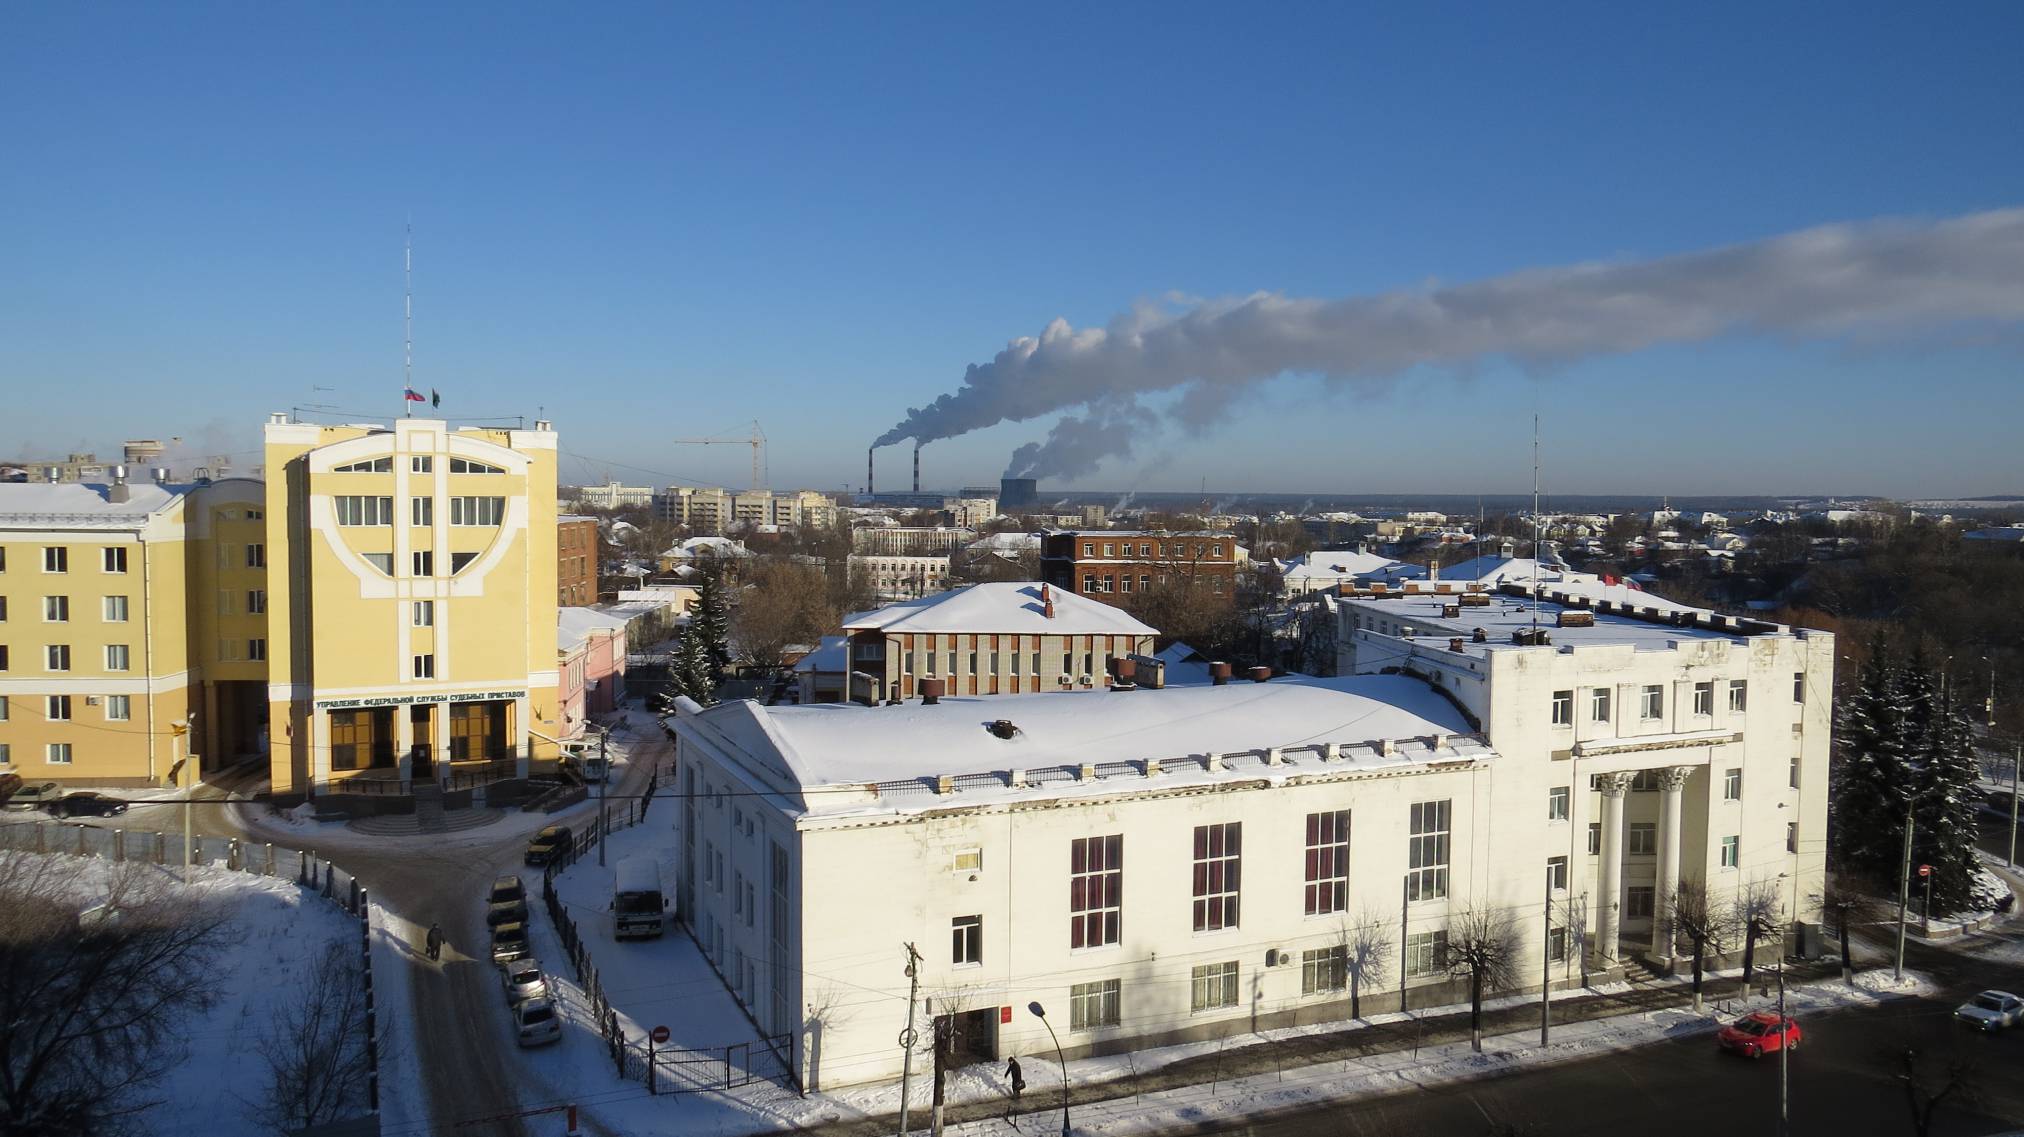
917, 467
869, 455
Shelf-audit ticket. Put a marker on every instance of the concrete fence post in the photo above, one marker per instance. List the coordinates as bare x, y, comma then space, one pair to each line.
161, 848
119, 844
270, 858
301, 867
232, 855
41, 835
82, 832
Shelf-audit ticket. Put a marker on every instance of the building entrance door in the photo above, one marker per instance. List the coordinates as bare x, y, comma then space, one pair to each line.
421, 754
974, 1037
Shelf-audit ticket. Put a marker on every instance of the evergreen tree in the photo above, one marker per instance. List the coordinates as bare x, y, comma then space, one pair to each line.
691, 672
1872, 779
711, 622
1947, 803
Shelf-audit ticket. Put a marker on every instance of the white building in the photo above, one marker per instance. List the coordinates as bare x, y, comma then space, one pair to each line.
910, 540
612, 495
1161, 865
901, 578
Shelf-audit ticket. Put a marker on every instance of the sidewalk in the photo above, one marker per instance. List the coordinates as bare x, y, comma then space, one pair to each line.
1386, 1050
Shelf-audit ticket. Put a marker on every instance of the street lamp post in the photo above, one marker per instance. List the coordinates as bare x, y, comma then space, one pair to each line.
1040, 1012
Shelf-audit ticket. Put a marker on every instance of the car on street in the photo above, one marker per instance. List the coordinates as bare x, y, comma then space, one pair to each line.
86, 805
34, 796
1759, 1033
536, 1022
524, 981
1991, 1011
506, 903
548, 844
509, 942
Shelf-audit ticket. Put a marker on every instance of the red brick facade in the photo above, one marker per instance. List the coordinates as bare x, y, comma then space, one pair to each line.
576, 561
1112, 566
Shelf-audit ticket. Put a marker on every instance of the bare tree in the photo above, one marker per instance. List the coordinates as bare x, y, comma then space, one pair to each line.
1757, 915
1702, 924
1849, 904
1483, 945
315, 1048
1366, 952
782, 602
92, 993
1929, 1083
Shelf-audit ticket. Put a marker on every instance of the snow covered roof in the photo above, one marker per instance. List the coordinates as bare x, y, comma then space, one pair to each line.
830, 656
1005, 543
575, 624
82, 505
1005, 606
1375, 721
1424, 620
1185, 665
1332, 565
708, 546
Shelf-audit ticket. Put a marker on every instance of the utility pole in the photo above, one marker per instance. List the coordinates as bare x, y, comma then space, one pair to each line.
604, 775
1405, 935
907, 1035
1546, 968
1904, 897
1784, 1055
2016, 760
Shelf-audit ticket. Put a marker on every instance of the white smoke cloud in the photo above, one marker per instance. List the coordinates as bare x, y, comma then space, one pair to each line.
1869, 280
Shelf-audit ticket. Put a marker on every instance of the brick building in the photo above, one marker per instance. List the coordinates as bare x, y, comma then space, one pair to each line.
1111, 565
575, 561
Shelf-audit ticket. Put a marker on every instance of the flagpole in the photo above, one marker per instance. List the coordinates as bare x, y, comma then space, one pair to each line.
408, 320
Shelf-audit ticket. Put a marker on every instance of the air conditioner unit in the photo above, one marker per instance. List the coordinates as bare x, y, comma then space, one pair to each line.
91, 700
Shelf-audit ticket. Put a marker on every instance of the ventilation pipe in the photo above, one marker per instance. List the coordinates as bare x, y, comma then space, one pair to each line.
118, 492
1260, 674
931, 691
1219, 673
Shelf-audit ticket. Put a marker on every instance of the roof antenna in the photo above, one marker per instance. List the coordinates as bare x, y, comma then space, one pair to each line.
408, 320
1535, 526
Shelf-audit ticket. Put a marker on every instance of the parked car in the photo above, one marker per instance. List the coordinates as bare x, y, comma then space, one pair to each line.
37, 796
548, 844
506, 903
524, 981
87, 805
1992, 1011
536, 1022
1760, 1033
509, 942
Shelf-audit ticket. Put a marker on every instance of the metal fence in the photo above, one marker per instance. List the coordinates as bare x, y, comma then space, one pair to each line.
140, 846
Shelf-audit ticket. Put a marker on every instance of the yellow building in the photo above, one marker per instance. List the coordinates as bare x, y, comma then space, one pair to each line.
116, 660
411, 605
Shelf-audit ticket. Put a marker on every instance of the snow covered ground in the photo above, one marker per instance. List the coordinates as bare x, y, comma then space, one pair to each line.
278, 931
668, 982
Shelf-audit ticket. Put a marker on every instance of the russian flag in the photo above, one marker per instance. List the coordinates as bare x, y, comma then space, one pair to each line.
414, 397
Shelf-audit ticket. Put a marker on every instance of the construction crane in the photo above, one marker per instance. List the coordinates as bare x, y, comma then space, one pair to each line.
756, 440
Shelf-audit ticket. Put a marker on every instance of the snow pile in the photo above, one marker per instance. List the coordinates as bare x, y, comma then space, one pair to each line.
1882, 980
1986, 890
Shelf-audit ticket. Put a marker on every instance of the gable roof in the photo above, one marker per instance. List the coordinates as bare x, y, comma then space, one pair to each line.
1005, 606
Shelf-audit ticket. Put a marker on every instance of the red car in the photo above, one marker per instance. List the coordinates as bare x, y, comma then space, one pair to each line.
1757, 1034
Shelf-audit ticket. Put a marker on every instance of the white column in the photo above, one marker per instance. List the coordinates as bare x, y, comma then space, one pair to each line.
1609, 909
1671, 781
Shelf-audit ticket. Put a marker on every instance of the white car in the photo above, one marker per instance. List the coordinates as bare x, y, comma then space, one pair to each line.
524, 981
536, 1022
1992, 1010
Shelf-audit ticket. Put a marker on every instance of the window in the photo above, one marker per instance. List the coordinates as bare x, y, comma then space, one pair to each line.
1637, 902
1095, 890
1215, 986
1556, 943
57, 708
1556, 873
1324, 969
115, 609
3, 608
381, 561
1704, 698
1792, 778
422, 511
1427, 851
424, 562
55, 558
477, 510
459, 560
952, 663
56, 657
3, 657
1427, 953
1644, 839
1594, 838
425, 667
256, 601
1739, 696
1110, 548
1792, 836
1092, 1005
1563, 708
467, 466
970, 860
966, 934
256, 650
1598, 704
1089, 548
1652, 704
113, 558
1556, 803
256, 556
424, 613
421, 464
1798, 686
3, 708
1126, 578
1732, 853
1218, 866
1145, 582
357, 510
1732, 784
58, 753
119, 708
1327, 862
366, 466
56, 609
117, 657
973, 663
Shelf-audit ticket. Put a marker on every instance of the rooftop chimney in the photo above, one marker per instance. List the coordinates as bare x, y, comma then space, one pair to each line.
1125, 672
118, 492
1260, 674
161, 475
917, 467
931, 691
1046, 602
1219, 673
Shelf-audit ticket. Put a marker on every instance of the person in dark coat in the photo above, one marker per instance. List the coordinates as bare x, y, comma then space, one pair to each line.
1018, 1079
435, 941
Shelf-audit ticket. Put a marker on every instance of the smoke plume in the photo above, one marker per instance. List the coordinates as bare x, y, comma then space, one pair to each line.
1872, 279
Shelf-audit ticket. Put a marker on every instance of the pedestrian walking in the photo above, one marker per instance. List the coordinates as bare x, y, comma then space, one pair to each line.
1017, 1078
435, 942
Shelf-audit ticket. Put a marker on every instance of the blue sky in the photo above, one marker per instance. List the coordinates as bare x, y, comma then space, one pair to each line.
660, 222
